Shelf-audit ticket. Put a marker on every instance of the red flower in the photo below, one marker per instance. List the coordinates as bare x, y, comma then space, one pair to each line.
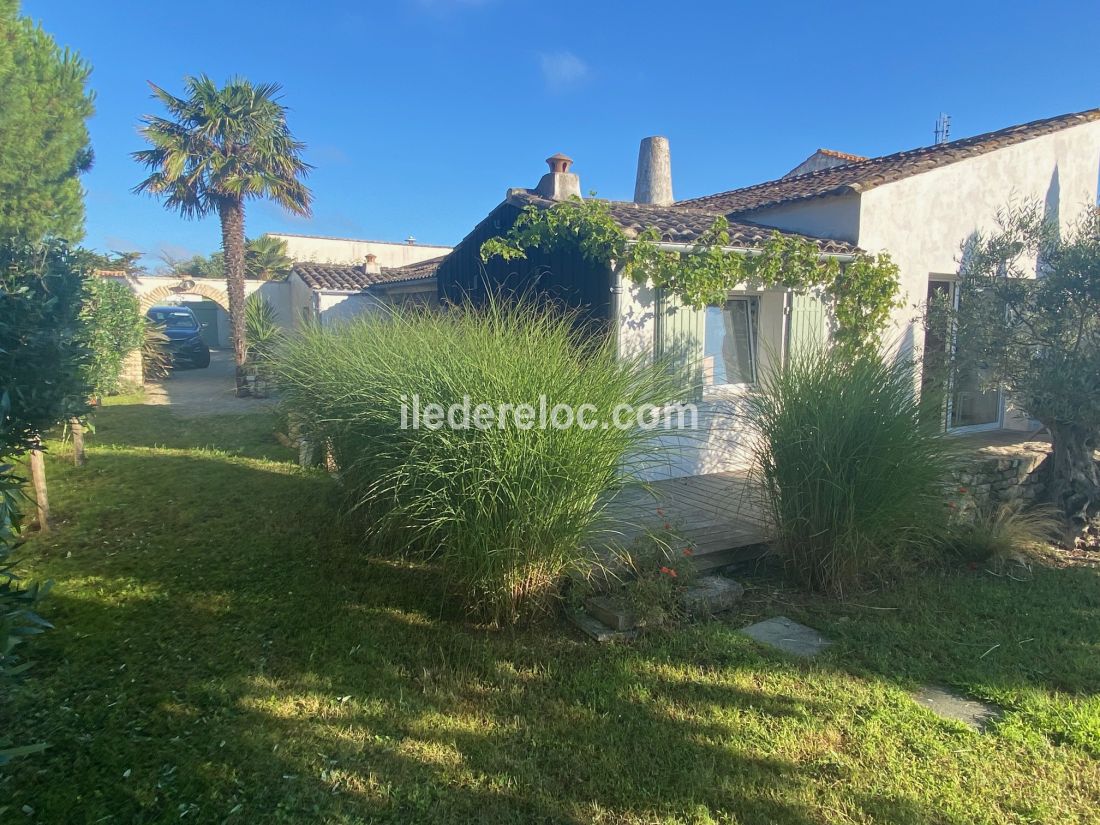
962, 490
660, 512
668, 571
667, 525
687, 551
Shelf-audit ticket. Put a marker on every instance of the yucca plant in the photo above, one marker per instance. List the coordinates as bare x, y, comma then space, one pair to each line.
852, 465
509, 513
262, 329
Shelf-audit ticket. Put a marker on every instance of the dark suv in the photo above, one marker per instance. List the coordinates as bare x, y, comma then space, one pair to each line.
185, 344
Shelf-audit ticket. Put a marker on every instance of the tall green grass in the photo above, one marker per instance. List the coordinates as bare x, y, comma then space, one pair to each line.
509, 513
853, 466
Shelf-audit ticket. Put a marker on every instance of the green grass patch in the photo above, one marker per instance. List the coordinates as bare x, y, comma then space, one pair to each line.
225, 652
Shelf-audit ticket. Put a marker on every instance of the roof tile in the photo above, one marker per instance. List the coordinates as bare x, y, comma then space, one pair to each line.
867, 174
352, 277
680, 224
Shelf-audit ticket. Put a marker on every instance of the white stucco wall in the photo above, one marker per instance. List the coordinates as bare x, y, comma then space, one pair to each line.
301, 300
923, 220
836, 217
335, 307
351, 251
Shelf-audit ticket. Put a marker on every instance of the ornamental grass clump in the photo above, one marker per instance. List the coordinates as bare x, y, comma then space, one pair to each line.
509, 513
853, 466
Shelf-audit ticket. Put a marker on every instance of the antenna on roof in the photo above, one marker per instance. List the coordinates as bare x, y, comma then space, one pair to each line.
943, 128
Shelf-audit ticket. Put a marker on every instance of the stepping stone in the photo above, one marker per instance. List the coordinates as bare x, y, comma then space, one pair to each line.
595, 629
711, 594
787, 635
611, 614
950, 705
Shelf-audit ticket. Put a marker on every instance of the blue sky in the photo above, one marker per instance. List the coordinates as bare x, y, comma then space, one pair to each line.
419, 114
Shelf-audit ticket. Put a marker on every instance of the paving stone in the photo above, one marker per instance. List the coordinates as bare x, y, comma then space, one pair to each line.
950, 705
711, 594
614, 616
597, 630
787, 635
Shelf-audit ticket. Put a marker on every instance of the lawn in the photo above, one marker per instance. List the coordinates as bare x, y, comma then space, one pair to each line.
225, 651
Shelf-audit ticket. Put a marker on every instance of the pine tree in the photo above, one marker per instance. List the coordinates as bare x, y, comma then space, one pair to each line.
44, 106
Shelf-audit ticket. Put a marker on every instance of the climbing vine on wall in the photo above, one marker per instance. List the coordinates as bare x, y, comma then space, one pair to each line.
862, 292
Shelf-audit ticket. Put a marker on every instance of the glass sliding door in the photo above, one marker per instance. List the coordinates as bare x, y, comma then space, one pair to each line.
972, 402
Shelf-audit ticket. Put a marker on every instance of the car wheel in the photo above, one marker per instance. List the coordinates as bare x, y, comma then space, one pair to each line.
203, 360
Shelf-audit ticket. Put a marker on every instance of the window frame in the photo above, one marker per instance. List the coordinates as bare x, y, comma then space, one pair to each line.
752, 313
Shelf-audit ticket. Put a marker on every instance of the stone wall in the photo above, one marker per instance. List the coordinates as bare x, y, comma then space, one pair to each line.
131, 369
1003, 467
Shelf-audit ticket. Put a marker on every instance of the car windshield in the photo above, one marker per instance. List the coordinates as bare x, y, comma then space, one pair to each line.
173, 318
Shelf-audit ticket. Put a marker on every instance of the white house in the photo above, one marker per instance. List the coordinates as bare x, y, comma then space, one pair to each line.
919, 205
331, 292
338, 278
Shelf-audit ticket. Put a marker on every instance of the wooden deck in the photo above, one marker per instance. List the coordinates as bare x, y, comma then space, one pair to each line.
717, 515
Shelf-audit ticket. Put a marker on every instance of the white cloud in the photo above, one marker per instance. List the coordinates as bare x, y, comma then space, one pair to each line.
562, 70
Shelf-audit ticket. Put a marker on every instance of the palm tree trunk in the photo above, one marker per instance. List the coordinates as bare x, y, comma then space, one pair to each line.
231, 212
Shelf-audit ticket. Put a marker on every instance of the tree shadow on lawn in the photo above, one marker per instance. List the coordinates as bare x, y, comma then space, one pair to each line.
228, 643
201, 706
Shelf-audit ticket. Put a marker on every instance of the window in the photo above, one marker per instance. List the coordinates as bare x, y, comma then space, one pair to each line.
173, 318
971, 401
729, 342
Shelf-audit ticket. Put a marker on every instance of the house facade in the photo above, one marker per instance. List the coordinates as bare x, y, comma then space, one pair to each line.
333, 292
919, 205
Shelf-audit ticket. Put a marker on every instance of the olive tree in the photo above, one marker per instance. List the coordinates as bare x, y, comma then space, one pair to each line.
1029, 315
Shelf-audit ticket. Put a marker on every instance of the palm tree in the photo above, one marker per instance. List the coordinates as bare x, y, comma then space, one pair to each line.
266, 259
217, 149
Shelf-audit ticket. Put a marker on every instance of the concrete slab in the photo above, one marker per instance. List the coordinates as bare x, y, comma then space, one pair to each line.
956, 707
788, 636
595, 629
611, 614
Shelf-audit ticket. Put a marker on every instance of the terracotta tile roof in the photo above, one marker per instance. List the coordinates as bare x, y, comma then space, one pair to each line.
679, 224
833, 153
867, 174
352, 277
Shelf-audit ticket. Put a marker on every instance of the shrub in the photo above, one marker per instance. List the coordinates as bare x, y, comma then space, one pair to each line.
1005, 530
852, 466
113, 328
508, 512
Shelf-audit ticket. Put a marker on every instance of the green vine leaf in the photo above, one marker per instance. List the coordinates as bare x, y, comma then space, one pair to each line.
862, 292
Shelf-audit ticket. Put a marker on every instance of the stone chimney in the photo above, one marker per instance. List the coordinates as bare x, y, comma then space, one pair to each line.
370, 265
559, 183
654, 181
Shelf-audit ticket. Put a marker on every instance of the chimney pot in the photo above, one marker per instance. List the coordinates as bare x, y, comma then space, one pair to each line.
559, 183
654, 181
370, 265
559, 164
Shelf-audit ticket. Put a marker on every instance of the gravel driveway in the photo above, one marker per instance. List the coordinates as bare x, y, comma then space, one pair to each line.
210, 391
